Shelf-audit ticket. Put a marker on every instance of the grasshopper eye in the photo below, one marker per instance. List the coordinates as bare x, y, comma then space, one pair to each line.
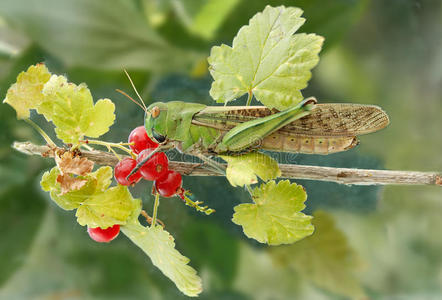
155, 112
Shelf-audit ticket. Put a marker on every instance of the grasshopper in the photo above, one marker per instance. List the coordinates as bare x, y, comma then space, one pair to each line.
308, 127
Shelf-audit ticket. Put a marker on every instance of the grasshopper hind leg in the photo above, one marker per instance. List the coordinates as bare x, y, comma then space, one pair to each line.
213, 164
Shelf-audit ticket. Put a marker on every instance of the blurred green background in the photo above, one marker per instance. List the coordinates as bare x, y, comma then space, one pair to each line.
370, 242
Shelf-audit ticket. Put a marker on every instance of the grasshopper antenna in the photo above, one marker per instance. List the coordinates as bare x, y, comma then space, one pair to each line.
132, 99
136, 91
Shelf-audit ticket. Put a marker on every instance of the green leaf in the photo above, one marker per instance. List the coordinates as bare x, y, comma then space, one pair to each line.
98, 182
102, 117
113, 206
203, 18
96, 35
325, 258
159, 245
97, 205
156, 11
26, 93
70, 200
244, 169
275, 217
104, 177
71, 109
266, 59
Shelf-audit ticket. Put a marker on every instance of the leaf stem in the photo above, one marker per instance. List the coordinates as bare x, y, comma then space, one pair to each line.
249, 189
41, 132
155, 208
109, 146
87, 147
249, 98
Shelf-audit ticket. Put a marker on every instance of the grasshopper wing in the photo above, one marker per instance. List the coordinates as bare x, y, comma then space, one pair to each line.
329, 128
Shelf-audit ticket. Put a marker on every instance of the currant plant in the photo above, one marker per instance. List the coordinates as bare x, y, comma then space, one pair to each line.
267, 61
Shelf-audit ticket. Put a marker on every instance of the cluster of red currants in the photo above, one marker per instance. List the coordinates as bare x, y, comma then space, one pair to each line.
167, 182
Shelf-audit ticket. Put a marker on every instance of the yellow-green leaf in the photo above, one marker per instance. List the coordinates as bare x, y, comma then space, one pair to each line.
26, 93
266, 59
72, 199
98, 182
275, 218
71, 109
113, 206
104, 178
159, 245
97, 205
102, 117
244, 169
325, 258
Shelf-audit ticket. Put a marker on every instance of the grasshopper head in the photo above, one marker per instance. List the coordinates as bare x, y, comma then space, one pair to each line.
155, 122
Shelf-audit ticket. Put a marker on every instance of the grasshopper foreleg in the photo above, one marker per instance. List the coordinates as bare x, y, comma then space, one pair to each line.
141, 163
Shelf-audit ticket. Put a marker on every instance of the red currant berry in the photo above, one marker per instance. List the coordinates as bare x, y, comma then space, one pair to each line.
123, 168
104, 235
140, 140
155, 167
169, 184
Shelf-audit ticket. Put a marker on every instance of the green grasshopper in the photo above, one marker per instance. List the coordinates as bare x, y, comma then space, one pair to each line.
205, 131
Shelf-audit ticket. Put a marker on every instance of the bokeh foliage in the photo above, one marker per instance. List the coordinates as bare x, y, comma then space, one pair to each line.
385, 53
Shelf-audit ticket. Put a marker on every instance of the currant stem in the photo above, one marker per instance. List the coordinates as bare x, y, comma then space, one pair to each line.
87, 147
41, 132
149, 219
155, 208
187, 197
109, 146
249, 98
339, 175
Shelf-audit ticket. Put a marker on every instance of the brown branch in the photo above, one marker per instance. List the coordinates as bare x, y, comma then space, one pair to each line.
339, 175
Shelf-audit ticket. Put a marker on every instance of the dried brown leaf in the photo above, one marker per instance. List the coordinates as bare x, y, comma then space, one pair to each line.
69, 183
68, 163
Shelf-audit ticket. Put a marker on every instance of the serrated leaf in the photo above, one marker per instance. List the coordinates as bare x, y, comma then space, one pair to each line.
275, 217
266, 59
113, 206
70, 200
97, 182
103, 118
26, 93
71, 109
104, 178
159, 245
49, 179
325, 258
244, 169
